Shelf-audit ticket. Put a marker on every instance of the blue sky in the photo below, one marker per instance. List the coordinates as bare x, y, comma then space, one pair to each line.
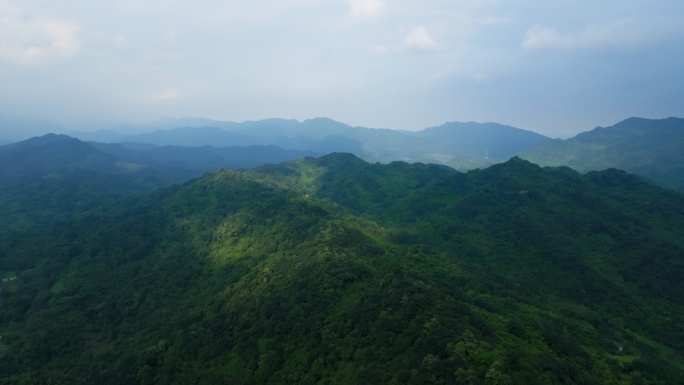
553, 66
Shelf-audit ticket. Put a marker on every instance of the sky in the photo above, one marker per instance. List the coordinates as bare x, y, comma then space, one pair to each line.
557, 67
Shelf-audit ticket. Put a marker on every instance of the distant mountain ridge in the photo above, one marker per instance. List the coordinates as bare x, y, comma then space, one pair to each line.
208, 158
651, 148
442, 144
45, 154
491, 140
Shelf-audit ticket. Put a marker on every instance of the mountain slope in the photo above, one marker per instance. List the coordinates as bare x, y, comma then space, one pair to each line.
52, 157
646, 147
48, 179
332, 270
52, 178
46, 154
477, 139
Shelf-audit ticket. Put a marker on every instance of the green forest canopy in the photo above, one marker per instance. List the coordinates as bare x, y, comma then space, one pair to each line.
651, 148
337, 271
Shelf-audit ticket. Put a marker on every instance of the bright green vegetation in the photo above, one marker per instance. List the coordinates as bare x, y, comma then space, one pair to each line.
646, 147
337, 271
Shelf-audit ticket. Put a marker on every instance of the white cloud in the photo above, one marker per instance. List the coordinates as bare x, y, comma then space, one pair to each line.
119, 41
30, 40
366, 7
166, 95
380, 49
170, 36
619, 32
419, 39
481, 78
490, 19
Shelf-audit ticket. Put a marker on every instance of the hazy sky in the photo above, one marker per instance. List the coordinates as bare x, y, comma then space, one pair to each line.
554, 66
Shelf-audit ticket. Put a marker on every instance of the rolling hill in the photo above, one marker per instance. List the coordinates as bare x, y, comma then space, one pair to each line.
653, 149
332, 270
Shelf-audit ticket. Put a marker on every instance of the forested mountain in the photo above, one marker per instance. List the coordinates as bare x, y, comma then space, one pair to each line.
52, 178
50, 153
337, 271
651, 148
464, 144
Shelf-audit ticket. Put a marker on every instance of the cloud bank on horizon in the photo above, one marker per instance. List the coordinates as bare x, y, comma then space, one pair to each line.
554, 67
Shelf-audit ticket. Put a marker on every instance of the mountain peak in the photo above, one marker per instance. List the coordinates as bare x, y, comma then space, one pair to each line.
340, 158
47, 140
517, 163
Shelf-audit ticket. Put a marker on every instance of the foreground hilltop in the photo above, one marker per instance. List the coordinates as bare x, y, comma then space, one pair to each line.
651, 148
332, 270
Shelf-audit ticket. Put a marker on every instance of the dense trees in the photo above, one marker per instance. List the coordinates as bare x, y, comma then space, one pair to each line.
647, 147
336, 271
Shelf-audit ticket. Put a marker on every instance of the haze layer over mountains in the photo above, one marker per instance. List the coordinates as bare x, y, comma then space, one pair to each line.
436, 144
646, 147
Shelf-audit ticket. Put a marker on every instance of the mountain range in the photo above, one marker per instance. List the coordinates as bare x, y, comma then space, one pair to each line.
51, 178
651, 148
333, 270
647, 147
436, 144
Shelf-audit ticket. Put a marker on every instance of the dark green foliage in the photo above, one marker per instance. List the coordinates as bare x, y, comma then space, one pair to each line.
646, 147
336, 271
54, 178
